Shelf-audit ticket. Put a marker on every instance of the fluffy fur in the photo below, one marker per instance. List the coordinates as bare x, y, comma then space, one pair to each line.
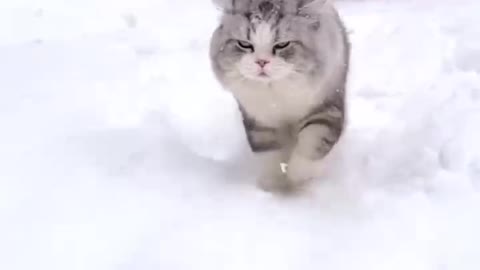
286, 63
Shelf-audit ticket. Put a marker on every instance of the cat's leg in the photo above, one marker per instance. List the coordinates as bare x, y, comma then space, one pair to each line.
270, 155
317, 135
269, 147
272, 172
272, 147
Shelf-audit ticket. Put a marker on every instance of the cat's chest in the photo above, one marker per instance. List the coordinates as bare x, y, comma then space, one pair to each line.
276, 104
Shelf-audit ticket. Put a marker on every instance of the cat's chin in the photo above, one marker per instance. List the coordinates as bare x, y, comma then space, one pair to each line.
263, 78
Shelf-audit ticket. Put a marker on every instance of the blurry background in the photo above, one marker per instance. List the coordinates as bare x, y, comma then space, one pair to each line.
118, 149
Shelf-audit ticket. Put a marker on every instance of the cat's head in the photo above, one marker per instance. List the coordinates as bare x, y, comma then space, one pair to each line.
267, 40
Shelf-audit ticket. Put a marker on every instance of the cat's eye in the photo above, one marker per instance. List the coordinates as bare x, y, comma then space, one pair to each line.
245, 45
281, 46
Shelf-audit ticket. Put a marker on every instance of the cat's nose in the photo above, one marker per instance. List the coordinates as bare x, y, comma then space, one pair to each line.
262, 62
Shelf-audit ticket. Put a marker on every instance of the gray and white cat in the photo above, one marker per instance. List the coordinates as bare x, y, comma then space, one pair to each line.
286, 64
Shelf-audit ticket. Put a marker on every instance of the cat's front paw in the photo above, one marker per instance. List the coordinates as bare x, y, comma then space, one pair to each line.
273, 182
301, 170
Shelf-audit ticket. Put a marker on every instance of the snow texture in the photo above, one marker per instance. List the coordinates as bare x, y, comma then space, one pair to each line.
118, 149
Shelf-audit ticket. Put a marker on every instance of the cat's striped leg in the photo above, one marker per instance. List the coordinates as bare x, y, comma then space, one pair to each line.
270, 154
262, 139
317, 135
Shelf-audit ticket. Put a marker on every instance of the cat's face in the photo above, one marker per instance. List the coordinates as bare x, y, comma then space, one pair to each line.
266, 41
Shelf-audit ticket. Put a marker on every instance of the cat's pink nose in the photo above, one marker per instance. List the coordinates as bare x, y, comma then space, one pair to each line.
262, 63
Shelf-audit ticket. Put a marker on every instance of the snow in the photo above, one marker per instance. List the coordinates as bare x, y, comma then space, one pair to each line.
120, 151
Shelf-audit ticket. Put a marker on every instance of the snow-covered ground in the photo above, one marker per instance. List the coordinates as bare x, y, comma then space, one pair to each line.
118, 150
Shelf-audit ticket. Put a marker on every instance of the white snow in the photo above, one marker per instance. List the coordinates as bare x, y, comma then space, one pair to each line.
118, 149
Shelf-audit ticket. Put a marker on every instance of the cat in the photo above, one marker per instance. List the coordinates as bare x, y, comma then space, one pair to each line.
286, 63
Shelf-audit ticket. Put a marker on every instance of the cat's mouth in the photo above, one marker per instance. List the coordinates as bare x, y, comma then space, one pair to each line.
263, 74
